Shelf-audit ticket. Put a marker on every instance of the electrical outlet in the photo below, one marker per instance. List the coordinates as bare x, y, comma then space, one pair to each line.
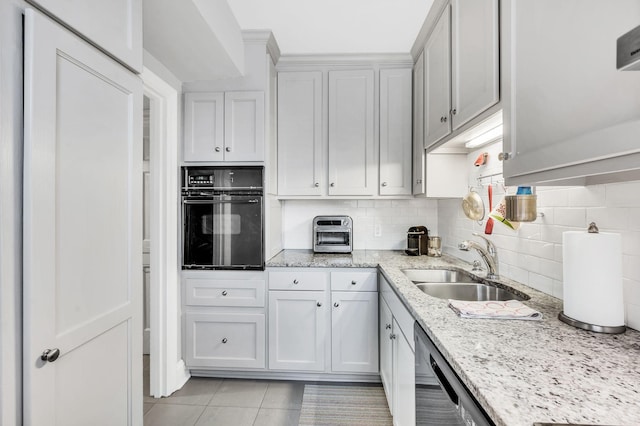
377, 230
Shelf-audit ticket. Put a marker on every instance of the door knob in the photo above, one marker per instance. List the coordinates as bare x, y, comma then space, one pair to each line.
50, 355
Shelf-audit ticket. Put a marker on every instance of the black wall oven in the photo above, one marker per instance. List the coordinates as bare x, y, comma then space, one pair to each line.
222, 217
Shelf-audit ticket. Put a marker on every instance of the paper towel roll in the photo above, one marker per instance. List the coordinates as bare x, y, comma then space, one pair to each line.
592, 287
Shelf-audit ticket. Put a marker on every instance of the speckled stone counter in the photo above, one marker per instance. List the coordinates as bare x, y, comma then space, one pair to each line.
521, 372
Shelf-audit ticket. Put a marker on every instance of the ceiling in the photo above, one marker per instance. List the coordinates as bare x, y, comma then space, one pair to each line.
335, 26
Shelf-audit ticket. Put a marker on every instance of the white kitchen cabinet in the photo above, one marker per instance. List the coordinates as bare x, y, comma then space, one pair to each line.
395, 132
461, 67
418, 127
297, 330
354, 334
404, 382
234, 340
352, 145
301, 163
224, 126
115, 26
437, 81
397, 356
385, 325
570, 117
224, 319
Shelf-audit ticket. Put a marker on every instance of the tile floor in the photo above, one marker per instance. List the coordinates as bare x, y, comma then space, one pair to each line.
204, 401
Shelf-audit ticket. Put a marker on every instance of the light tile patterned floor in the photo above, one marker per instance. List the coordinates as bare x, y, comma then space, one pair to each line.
209, 402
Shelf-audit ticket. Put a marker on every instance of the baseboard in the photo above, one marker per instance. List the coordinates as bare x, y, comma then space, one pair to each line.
298, 376
182, 375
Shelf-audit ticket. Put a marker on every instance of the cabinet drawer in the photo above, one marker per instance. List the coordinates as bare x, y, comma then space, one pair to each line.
358, 280
225, 292
298, 280
225, 340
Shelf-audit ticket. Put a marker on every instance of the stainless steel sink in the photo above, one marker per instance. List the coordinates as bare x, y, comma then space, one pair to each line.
467, 291
438, 276
458, 285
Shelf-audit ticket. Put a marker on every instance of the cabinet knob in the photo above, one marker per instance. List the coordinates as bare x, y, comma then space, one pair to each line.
392, 336
454, 111
384, 183
444, 119
217, 149
50, 355
319, 304
224, 292
316, 184
353, 282
228, 149
419, 181
336, 304
296, 281
332, 184
224, 340
388, 326
504, 156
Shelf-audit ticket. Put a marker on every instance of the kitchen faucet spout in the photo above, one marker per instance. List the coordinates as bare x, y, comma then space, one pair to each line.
489, 255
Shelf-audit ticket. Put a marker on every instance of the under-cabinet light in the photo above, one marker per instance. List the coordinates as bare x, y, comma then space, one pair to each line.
486, 137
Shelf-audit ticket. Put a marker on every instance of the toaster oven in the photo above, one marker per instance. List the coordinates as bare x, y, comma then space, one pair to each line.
332, 234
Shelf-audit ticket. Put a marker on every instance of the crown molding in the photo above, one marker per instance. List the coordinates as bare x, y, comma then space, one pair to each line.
430, 21
263, 37
346, 60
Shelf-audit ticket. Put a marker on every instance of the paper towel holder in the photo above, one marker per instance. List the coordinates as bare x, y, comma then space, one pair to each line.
593, 229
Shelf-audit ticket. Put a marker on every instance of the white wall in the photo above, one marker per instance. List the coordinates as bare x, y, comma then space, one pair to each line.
532, 255
391, 217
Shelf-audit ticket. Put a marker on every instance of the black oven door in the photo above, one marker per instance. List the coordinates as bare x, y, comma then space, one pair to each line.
223, 232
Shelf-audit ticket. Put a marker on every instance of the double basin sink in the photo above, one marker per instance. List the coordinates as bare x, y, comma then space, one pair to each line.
458, 285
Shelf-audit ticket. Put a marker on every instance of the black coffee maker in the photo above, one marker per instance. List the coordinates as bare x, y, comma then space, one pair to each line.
417, 241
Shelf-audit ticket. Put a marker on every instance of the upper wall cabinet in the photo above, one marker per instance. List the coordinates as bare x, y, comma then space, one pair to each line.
570, 116
462, 60
115, 26
301, 155
344, 130
352, 158
224, 126
395, 131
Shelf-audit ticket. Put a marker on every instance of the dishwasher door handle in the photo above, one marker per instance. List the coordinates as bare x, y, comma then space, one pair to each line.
444, 382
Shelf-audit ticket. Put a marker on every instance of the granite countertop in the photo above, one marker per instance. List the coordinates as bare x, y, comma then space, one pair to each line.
521, 372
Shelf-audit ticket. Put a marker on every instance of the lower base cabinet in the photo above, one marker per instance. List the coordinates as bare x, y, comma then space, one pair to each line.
397, 356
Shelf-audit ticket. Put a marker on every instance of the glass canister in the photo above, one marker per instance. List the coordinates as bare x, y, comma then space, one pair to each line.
434, 248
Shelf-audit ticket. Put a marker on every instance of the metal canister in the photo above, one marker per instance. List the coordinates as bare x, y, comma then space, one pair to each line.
434, 247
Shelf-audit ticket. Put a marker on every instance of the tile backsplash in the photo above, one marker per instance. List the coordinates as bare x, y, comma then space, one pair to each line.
377, 224
532, 255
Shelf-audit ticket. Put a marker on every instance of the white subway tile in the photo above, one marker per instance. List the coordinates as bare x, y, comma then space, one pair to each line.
542, 249
519, 274
552, 197
609, 218
625, 194
633, 315
551, 269
631, 267
570, 217
382, 203
631, 291
541, 283
634, 219
587, 196
365, 203
631, 243
558, 289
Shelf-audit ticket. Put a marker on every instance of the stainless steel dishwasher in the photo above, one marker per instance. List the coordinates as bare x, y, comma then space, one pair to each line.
441, 398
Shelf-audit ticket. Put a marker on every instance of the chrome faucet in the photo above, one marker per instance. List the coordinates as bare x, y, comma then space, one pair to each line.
489, 254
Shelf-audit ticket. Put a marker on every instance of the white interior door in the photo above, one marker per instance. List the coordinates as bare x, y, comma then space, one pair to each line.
82, 232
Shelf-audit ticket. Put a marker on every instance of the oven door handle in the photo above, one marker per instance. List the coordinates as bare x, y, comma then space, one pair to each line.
443, 381
250, 201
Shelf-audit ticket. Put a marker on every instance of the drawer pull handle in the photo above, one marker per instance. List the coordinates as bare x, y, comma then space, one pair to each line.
336, 304
353, 282
319, 304
296, 281
224, 292
388, 326
224, 340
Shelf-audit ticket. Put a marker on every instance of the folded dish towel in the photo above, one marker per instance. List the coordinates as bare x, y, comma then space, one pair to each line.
510, 309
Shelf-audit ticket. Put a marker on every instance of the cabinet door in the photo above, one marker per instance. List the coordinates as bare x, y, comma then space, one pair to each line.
297, 330
300, 148
395, 132
115, 26
354, 332
418, 127
475, 58
203, 126
225, 340
437, 81
244, 126
404, 382
352, 158
573, 114
386, 350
